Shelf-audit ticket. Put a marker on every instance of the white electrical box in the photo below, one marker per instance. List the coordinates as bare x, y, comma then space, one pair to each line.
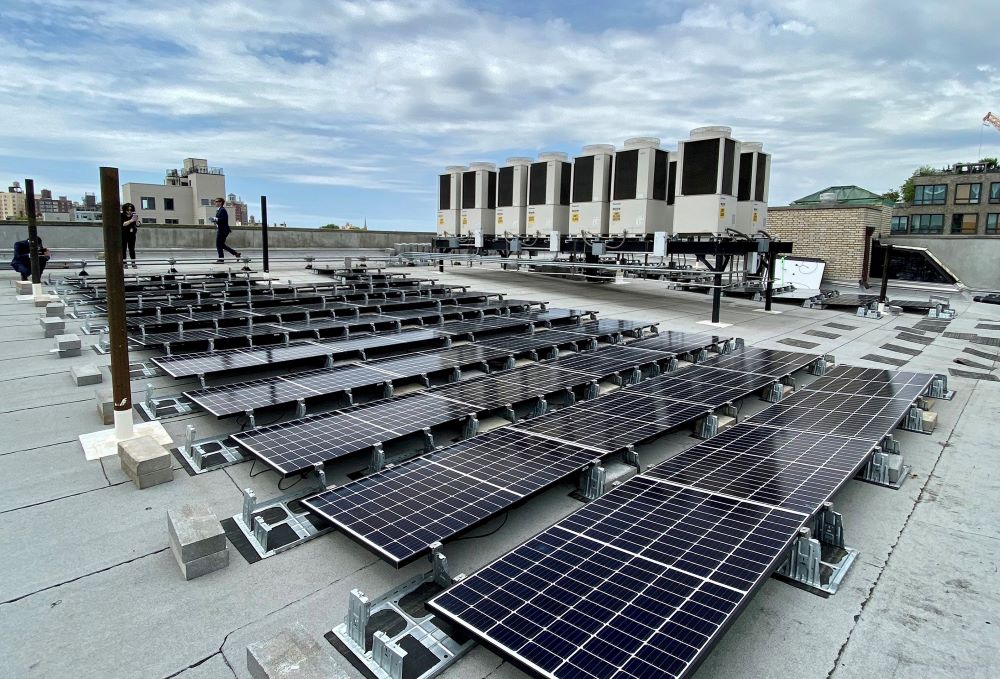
548, 195
555, 241
589, 210
450, 201
752, 191
708, 164
512, 197
640, 188
660, 243
479, 199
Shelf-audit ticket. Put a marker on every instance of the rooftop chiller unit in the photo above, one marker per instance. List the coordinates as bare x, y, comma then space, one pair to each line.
479, 199
639, 189
752, 188
591, 191
512, 197
708, 175
450, 201
548, 195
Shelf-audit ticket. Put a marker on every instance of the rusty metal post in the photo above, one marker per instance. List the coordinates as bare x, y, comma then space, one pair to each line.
115, 287
29, 206
883, 295
769, 290
263, 230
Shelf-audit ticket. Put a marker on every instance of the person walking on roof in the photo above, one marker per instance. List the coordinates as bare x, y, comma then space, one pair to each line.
222, 231
130, 227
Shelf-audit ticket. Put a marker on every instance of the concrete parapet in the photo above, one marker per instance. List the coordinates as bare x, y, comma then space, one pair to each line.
292, 654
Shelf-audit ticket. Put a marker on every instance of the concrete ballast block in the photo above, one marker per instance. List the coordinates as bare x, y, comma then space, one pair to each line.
202, 566
292, 654
143, 455
150, 479
55, 310
105, 405
196, 531
44, 300
52, 326
23, 287
67, 342
84, 375
69, 353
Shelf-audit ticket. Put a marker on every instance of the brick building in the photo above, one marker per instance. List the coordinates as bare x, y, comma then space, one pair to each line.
835, 225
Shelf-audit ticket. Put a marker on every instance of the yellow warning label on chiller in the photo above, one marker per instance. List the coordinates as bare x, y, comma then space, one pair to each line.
722, 212
441, 221
465, 220
499, 219
531, 219
576, 216
754, 217
616, 216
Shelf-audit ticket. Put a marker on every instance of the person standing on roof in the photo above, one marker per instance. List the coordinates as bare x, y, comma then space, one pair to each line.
222, 231
130, 227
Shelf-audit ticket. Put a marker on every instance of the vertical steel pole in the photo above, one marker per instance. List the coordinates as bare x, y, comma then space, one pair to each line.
884, 292
29, 206
114, 280
263, 231
769, 291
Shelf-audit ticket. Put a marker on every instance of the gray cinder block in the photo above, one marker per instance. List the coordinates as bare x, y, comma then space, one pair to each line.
23, 287
44, 300
196, 531
69, 341
84, 375
70, 353
145, 461
292, 654
201, 566
55, 310
52, 326
105, 405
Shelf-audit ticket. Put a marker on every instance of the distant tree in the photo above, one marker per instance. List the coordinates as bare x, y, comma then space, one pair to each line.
990, 162
891, 194
907, 188
330, 226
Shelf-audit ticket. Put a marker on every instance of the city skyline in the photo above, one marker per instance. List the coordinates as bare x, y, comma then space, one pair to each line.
349, 111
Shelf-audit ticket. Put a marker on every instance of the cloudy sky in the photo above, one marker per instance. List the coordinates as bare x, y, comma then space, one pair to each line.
342, 110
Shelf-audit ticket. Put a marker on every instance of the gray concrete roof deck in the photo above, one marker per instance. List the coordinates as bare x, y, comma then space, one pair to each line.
91, 590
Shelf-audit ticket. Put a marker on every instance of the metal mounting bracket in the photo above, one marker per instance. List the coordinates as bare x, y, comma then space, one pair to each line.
819, 564
592, 480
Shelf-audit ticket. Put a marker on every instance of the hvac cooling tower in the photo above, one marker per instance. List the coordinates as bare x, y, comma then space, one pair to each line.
708, 171
752, 188
639, 188
479, 199
548, 195
589, 209
450, 201
512, 197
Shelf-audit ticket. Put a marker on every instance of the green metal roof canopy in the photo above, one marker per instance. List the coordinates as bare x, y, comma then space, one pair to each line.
846, 195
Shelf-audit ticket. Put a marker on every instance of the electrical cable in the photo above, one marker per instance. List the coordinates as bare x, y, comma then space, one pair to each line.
291, 486
484, 535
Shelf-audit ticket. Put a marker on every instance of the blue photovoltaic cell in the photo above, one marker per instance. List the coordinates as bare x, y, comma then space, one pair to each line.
637, 584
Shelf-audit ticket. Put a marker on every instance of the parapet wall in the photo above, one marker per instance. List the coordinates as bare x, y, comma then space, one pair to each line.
89, 236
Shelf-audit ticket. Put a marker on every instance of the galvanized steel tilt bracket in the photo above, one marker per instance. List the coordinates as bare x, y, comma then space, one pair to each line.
938, 388
819, 564
631, 458
592, 480
885, 467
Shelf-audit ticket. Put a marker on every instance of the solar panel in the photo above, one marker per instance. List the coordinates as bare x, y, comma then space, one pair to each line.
862, 417
796, 470
639, 583
605, 326
707, 386
205, 362
400, 511
677, 342
873, 382
774, 362
542, 339
612, 422
296, 446
605, 362
509, 387
490, 323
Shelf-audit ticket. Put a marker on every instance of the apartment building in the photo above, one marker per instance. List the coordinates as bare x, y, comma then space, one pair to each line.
185, 197
12, 205
963, 200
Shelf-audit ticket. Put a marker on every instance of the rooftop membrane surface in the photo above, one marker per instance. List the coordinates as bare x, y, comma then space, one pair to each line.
89, 587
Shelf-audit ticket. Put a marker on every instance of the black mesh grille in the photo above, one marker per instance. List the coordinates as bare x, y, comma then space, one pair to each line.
536, 184
660, 175
758, 191
746, 167
444, 192
505, 187
728, 164
626, 174
583, 179
564, 183
468, 190
701, 164
491, 190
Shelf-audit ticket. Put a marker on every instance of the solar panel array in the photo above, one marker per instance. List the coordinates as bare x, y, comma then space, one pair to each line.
643, 581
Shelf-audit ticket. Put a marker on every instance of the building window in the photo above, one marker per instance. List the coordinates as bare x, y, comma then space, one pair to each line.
171, 221
932, 194
995, 192
205, 201
149, 220
967, 224
201, 221
147, 203
991, 222
926, 223
967, 194
168, 203
900, 224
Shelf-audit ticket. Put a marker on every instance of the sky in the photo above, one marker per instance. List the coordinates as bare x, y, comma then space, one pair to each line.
347, 111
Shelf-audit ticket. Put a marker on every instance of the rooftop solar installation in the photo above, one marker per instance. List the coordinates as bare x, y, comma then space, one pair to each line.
873, 382
798, 471
639, 583
677, 342
774, 362
605, 362
296, 446
863, 417
439, 495
542, 339
509, 387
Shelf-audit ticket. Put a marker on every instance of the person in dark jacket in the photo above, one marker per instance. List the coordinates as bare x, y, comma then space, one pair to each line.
130, 226
222, 230
21, 262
